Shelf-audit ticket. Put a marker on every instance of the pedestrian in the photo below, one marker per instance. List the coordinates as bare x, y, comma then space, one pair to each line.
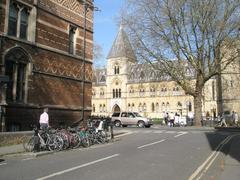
176, 119
44, 119
236, 119
223, 121
166, 117
171, 116
233, 117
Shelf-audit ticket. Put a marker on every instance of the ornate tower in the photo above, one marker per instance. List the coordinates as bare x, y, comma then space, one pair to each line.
119, 58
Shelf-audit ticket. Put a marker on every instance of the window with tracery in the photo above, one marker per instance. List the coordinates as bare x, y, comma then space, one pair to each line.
18, 20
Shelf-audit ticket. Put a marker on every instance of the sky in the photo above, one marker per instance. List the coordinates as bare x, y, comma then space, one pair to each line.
105, 24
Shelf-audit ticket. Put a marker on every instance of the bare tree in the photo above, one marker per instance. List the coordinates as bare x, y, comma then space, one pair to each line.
188, 40
97, 55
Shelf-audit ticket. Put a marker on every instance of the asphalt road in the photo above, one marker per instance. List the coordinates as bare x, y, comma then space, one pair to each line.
141, 154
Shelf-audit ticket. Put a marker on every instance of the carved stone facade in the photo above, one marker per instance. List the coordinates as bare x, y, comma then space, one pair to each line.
42, 53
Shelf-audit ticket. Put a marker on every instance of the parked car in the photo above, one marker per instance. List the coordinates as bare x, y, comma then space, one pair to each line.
130, 118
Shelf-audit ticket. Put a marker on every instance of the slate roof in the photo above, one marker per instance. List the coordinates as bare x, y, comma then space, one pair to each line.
122, 47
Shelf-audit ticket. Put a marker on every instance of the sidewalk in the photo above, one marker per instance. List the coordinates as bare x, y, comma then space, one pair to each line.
15, 149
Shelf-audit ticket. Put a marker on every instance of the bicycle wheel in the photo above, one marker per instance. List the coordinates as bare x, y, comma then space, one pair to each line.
55, 143
85, 142
75, 140
29, 144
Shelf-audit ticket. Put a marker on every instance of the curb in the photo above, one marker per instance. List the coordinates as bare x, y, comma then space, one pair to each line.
42, 153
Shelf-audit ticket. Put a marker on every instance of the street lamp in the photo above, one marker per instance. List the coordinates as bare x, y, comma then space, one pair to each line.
86, 5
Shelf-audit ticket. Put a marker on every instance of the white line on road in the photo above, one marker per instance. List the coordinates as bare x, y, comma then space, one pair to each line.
208, 162
158, 132
182, 133
27, 159
77, 167
3, 164
140, 147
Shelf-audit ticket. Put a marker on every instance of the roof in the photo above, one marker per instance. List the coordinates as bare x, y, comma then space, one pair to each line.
122, 47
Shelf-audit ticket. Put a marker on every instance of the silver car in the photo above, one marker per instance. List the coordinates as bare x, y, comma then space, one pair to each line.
130, 118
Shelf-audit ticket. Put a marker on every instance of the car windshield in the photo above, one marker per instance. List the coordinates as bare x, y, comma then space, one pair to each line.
136, 114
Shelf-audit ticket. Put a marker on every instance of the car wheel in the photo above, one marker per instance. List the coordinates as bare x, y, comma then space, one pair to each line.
117, 123
141, 124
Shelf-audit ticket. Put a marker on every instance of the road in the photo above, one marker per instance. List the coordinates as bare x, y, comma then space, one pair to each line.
140, 154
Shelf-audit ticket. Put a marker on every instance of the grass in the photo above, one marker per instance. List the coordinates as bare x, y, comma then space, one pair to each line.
157, 120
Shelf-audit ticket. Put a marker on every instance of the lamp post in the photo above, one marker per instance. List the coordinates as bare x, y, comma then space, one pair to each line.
86, 7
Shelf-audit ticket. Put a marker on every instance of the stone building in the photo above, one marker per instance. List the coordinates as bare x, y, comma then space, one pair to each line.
46, 52
126, 85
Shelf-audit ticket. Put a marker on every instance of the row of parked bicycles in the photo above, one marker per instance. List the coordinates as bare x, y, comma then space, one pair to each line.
62, 139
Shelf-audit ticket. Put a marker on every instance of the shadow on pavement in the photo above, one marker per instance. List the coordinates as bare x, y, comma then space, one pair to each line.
230, 148
1, 160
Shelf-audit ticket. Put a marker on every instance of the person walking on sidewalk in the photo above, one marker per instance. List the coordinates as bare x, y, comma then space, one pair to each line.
44, 118
236, 119
223, 121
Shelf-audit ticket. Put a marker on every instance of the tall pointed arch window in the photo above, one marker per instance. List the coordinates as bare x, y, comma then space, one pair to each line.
16, 63
12, 20
116, 69
24, 24
18, 18
72, 39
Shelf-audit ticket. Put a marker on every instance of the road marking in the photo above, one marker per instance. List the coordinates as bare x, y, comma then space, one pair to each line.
3, 164
170, 132
27, 159
157, 132
182, 133
146, 132
208, 162
146, 145
77, 167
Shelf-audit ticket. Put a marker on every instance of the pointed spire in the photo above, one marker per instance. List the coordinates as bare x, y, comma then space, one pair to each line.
121, 46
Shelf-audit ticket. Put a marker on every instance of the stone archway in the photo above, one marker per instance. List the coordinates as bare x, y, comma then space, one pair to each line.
116, 108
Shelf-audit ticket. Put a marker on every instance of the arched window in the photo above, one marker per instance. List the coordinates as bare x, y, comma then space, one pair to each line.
94, 109
18, 20
153, 107
132, 106
189, 106
101, 93
157, 107
100, 107
129, 107
167, 106
24, 24
113, 93
119, 93
140, 107
104, 108
213, 91
12, 20
116, 93
163, 107
144, 107
16, 63
116, 69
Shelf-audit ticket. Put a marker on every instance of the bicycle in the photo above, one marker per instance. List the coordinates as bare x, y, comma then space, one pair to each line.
45, 140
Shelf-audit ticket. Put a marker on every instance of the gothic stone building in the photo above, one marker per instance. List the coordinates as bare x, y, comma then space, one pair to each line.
42, 53
126, 85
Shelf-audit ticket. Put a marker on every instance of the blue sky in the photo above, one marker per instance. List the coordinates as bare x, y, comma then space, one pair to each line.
105, 23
